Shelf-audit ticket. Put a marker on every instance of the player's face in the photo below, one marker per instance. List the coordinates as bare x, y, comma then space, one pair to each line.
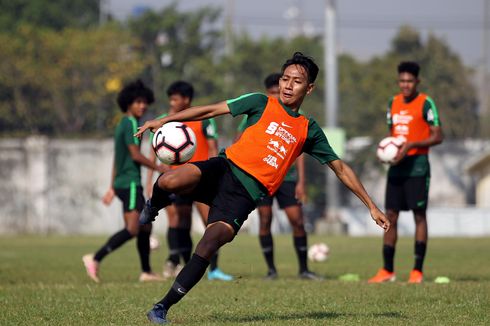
178, 102
294, 86
408, 84
138, 107
273, 91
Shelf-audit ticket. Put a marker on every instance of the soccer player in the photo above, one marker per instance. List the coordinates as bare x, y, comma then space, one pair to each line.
180, 95
412, 116
289, 197
133, 100
248, 170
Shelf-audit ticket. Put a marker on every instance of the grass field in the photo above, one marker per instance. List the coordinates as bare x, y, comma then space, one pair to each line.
42, 281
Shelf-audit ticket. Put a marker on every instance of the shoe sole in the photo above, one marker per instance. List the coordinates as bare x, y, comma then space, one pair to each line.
391, 279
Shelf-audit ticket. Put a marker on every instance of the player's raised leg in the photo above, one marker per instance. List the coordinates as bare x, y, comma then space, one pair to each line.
181, 180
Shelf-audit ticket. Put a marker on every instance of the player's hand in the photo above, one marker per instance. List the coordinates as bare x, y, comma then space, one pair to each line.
402, 152
300, 192
152, 125
380, 218
108, 196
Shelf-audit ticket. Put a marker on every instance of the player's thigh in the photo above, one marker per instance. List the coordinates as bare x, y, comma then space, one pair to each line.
180, 180
232, 203
417, 192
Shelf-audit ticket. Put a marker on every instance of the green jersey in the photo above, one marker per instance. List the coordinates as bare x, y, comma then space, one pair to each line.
128, 172
253, 106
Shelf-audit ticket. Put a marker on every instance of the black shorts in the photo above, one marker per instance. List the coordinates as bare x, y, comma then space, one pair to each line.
407, 193
219, 188
132, 198
285, 195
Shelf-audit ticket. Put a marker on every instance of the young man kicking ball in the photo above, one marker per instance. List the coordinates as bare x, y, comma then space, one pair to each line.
248, 170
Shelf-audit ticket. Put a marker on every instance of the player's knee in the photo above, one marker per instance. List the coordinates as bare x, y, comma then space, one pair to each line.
168, 182
133, 230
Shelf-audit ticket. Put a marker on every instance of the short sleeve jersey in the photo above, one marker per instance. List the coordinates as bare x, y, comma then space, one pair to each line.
414, 165
127, 171
253, 106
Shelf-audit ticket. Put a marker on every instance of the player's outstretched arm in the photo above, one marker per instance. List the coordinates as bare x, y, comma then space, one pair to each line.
191, 114
349, 178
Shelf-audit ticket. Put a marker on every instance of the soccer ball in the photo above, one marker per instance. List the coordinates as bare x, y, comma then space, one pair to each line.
174, 143
154, 243
318, 252
388, 149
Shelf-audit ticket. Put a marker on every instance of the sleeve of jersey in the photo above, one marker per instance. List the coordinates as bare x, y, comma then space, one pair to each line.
209, 129
247, 104
130, 128
243, 124
431, 115
317, 144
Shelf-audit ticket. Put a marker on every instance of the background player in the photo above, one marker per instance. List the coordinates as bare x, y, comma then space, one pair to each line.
133, 100
289, 197
180, 95
248, 170
412, 116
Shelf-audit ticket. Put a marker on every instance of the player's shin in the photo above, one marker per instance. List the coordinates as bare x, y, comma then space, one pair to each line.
185, 281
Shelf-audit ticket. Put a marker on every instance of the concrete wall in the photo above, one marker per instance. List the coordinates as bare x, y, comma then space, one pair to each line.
55, 186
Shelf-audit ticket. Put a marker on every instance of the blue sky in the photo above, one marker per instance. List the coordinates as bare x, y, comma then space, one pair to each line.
365, 26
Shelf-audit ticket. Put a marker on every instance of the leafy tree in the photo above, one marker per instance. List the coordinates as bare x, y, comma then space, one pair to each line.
49, 14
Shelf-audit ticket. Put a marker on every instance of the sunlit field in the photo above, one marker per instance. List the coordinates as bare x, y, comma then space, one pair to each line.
43, 282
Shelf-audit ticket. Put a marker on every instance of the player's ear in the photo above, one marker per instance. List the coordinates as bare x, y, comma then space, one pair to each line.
310, 88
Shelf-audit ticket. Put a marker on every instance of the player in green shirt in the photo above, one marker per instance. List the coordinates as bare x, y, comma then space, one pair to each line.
289, 196
126, 182
233, 193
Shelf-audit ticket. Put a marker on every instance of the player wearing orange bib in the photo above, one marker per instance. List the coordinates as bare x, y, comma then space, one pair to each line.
248, 170
180, 94
413, 117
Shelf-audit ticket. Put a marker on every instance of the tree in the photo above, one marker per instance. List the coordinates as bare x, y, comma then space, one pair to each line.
54, 82
48, 14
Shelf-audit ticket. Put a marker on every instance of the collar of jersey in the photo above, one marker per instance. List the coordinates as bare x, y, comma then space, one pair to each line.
288, 110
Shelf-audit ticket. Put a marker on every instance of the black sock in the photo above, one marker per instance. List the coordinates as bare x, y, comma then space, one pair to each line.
187, 278
213, 263
143, 244
301, 246
160, 198
113, 243
388, 257
420, 248
185, 244
267, 245
173, 245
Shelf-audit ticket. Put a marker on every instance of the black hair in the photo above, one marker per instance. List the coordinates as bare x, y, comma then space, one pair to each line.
133, 91
272, 80
409, 66
306, 62
181, 88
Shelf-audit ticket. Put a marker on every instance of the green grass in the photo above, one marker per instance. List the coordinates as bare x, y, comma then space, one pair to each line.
42, 281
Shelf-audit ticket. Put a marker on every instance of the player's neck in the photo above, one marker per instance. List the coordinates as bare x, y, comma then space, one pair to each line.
411, 97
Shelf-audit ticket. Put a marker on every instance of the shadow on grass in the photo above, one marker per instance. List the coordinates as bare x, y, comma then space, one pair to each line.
315, 315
